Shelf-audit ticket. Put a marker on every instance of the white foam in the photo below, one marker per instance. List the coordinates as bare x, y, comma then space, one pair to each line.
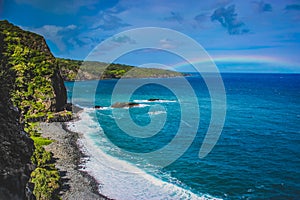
159, 101
141, 101
128, 183
104, 108
156, 112
142, 105
166, 101
135, 106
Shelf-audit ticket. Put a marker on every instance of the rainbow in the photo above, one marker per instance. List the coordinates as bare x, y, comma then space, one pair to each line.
247, 59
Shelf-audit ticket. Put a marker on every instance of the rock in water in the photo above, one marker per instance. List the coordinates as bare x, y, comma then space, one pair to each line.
124, 105
97, 107
153, 99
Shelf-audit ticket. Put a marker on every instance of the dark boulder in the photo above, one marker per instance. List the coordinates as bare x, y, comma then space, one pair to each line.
125, 105
153, 99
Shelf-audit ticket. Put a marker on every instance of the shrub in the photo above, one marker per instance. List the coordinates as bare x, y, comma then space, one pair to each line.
46, 183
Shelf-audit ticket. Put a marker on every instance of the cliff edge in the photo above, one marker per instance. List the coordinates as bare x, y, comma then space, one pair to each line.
31, 88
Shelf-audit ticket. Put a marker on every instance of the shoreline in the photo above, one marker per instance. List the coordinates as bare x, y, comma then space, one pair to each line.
76, 183
121, 179
84, 174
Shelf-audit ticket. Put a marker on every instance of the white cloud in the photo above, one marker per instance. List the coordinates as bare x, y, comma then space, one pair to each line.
71, 27
123, 39
53, 33
167, 44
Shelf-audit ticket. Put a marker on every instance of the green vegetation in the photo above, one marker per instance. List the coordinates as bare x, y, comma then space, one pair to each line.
59, 116
46, 183
40, 141
68, 68
78, 70
31, 72
45, 177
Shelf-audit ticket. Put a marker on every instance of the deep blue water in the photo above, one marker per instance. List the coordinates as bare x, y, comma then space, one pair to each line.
257, 155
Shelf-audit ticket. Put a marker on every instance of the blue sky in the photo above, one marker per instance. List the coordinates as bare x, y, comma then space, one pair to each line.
241, 36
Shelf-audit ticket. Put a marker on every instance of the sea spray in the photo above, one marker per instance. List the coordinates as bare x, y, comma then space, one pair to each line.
132, 183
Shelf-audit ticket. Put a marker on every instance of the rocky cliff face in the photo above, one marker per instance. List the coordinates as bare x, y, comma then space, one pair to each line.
38, 85
60, 91
16, 149
30, 88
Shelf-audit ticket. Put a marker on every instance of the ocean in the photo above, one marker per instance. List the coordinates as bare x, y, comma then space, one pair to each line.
257, 155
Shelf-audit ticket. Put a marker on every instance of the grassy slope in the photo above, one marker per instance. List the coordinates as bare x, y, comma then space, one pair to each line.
79, 70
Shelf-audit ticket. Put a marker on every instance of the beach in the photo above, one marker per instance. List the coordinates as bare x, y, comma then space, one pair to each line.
76, 184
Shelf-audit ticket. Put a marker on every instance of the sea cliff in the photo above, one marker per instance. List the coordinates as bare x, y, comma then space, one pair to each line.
31, 90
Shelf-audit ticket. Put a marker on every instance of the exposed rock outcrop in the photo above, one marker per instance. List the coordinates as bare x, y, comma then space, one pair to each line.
60, 91
153, 99
125, 105
16, 149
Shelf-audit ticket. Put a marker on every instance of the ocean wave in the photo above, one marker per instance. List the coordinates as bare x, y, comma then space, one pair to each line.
156, 112
125, 107
141, 106
156, 101
136, 106
120, 179
104, 108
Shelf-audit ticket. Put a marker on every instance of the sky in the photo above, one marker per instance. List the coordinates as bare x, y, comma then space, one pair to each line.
240, 36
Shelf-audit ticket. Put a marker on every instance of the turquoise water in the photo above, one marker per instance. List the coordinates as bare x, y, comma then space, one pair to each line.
256, 157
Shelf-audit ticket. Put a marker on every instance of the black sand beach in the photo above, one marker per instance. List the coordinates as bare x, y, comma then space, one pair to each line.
76, 184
